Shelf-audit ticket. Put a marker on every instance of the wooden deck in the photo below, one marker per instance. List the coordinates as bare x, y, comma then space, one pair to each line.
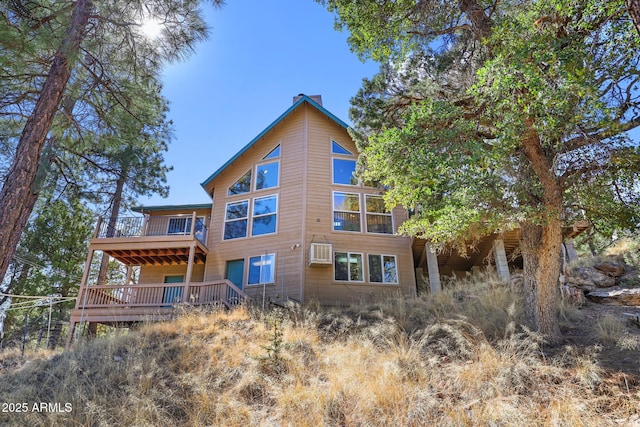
116, 304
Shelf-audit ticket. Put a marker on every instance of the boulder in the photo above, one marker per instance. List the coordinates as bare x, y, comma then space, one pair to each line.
589, 278
615, 296
610, 268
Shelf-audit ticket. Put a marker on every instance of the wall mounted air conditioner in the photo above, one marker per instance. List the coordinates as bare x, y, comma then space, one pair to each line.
320, 254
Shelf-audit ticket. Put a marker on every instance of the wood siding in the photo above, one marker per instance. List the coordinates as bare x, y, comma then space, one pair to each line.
289, 135
304, 216
319, 280
156, 274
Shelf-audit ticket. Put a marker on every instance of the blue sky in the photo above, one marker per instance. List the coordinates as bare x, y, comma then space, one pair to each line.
258, 56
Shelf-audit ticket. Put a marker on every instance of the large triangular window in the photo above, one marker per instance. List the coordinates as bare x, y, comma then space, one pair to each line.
339, 149
273, 153
241, 186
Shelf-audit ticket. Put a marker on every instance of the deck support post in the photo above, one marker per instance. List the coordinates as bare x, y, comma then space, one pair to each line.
500, 256
145, 225
72, 329
187, 279
193, 223
129, 275
432, 265
84, 282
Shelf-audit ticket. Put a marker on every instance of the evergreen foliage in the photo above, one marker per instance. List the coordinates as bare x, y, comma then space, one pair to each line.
490, 116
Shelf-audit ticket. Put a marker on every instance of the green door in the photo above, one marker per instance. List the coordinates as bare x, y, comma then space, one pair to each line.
172, 294
235, 272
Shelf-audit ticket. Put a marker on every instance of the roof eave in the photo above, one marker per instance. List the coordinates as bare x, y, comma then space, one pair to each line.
192, 207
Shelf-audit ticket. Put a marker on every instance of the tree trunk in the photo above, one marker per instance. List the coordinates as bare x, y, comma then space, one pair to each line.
19, 192
541, 240
111, 227
633, 6
541, 249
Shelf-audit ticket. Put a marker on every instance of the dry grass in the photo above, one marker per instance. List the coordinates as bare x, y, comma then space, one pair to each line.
454, 360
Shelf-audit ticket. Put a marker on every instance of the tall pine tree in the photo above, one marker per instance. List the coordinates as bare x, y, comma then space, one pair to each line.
45, 45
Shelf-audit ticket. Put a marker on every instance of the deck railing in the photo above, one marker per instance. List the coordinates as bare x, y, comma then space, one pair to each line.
164, 295
156, 225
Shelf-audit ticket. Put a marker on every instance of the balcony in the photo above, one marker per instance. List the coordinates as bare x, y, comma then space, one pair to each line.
123, 304
153, 239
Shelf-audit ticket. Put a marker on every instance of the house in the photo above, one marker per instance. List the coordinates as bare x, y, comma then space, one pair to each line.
288, 221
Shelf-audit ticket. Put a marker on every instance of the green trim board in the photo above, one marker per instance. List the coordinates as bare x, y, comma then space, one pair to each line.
143, 209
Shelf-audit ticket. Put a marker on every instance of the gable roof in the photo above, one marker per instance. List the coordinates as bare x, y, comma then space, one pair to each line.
303, 98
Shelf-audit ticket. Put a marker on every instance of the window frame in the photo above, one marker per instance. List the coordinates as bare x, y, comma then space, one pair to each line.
348, 153
348, 156
245, 218
269, 155
333, 171
381, 257
250, 173
367, 213
272, 273
334, 210
255, 179
254, 216
349, 279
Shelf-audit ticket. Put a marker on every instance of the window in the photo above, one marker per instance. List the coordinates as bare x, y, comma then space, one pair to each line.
262, 269
235, 220
273, 153
346, 211
383, 269
348, 266
267, 175
379, 219
344, 172
265, 211
182, 225
241, 186
339, 149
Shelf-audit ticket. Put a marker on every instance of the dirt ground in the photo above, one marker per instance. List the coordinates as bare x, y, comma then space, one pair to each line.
614, 357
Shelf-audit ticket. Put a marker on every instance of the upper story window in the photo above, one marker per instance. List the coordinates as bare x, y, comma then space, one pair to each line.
241, 186
344, 172
235, 220
379, 218
265, 210
267, 175
339, 149
273, 153
263, 216
346, 211
343, 169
